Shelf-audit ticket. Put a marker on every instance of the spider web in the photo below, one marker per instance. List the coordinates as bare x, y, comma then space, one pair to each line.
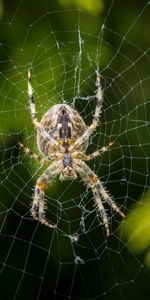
65, 46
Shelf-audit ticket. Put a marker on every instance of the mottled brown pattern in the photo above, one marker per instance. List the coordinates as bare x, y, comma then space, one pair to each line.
49, 122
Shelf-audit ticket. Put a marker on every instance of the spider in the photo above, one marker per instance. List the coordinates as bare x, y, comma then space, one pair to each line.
62, 139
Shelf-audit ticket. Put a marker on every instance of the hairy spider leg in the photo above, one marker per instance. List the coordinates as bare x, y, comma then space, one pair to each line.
98, 109
108, 199
30, 153
98, 152
38, 206
92, 181
37, 124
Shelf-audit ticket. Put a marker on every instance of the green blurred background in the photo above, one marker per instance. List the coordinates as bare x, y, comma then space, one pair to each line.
74, 262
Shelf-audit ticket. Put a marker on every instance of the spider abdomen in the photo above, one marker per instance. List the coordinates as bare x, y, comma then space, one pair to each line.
64, 125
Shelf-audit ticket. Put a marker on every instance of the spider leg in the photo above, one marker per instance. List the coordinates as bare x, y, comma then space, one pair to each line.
30, 153
98, 152
38, 205
89, 178
99, 95
31, 99
92, 181
37, 124
101, 209
108, 199
98, 109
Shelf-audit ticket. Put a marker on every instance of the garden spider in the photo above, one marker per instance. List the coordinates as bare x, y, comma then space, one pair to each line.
62, 138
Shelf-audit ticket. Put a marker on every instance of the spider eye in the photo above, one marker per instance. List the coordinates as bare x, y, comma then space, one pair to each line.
67, 160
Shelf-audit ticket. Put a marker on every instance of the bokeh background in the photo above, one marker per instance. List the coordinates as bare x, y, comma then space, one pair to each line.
74, 262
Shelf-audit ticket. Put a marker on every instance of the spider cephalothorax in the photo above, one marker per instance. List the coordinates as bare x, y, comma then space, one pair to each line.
62, 139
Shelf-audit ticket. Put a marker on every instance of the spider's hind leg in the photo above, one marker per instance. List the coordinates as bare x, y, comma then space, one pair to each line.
98, 109
35, 121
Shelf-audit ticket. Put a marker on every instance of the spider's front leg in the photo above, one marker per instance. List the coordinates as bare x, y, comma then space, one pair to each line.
38, 205
92, 181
